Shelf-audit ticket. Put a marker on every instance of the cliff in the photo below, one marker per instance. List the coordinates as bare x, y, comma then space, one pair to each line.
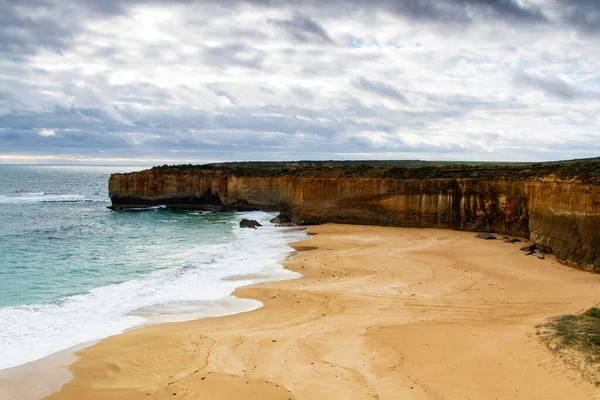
556, 205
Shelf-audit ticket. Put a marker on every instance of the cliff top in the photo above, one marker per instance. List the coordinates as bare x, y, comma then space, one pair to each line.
585, 170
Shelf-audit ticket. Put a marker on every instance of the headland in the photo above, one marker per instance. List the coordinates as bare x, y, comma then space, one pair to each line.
555, 205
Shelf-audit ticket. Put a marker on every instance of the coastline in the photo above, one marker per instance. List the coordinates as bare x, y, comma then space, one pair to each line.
378, 313
42, 377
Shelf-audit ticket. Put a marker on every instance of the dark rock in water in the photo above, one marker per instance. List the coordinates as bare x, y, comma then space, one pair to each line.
280, 219
529, 247
539, 255
486, 236
249, 223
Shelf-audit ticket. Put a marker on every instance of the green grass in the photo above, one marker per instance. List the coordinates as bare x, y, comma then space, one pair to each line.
585, 170
577, 338
592, 312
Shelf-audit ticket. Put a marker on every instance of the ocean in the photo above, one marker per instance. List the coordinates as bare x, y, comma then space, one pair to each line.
72, 271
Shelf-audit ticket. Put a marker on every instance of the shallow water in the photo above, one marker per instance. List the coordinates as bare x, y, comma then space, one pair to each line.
72, 271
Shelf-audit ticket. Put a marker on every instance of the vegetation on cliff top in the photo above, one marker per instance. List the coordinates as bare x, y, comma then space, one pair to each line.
577, 339
586, 170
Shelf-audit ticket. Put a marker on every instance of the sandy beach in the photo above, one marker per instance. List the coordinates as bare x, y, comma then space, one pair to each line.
380, 313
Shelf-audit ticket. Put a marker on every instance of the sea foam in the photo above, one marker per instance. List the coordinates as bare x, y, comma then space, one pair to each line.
31, 332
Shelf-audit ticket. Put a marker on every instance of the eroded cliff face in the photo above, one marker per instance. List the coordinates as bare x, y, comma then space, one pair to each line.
562, 217
565, 220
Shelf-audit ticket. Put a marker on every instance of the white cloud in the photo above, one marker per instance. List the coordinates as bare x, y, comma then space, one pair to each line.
46, 132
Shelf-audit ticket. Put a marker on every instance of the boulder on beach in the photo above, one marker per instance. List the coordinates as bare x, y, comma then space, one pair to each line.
486, 236
249, 223
529, 248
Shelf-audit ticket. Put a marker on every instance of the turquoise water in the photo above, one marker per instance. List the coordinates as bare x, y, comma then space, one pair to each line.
58, 238
72, 270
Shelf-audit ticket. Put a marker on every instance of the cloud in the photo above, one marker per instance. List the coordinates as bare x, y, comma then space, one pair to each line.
553, 86
233, 54
381, 89
46, 132
268, 79
303, 29
21, 34
581, 14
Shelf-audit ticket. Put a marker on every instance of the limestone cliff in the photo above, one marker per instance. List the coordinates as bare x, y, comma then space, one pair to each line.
556, 205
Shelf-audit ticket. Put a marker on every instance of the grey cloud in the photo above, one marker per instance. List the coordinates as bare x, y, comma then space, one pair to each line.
164, 120
20, 35
289, 124
27, 139
62, 118
266, 90
322, 122
303, 93
381, 89
509, 9
139, 93
355, 108
434, 10
113, 7
470, 102
227, 95
234, 54
442, 10
581, 14
303, 29
552, 86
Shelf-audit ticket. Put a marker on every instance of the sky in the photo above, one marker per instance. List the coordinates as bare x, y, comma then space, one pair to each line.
155, 82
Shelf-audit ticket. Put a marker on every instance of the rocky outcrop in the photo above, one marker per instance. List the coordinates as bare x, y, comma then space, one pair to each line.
485, 236
249, 223
555, 208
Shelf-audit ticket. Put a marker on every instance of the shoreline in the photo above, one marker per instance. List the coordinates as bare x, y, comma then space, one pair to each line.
46, 375
378, 312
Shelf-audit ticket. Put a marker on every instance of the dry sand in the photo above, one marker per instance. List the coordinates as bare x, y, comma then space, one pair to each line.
381, 313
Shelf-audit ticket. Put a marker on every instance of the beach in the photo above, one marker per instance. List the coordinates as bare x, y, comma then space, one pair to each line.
379, 313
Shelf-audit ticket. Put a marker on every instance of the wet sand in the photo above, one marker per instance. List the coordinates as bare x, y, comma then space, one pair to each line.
380, 313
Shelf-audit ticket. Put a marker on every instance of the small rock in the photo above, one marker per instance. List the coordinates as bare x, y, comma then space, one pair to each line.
539, 255
249, 223
507, 240
486, 236
529, 247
